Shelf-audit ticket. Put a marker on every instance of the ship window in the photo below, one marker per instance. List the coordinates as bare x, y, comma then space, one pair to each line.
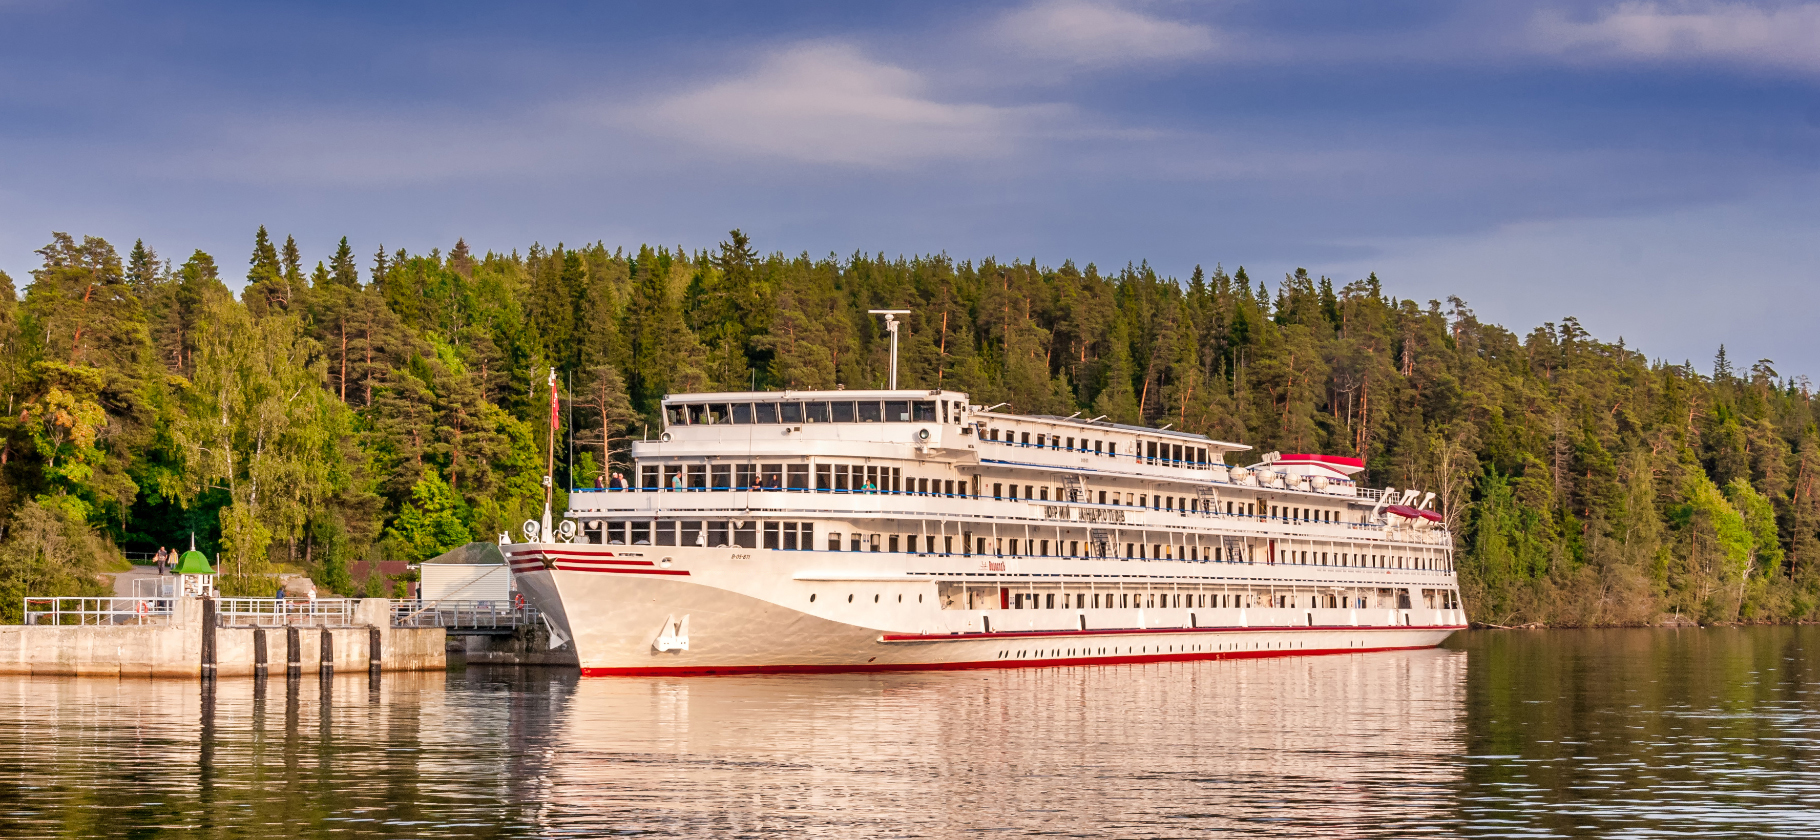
790, 412
816, 412
647, 477
698, 414
798, 534
698, 476
998, 490
1045, 494
664, 533
771, 476
798, 476
824, 476
717, 533
1026, 440
868, 412
1045, 551
745, 476
691, 533
676, 415
897, 411
720, 476
764, 412
1050, 598
842, 412
718, 413
833, 540
745, 534
841, 480
641, 532
873, 538
925, 411
616, 533
892, 544
854, 543
742, 413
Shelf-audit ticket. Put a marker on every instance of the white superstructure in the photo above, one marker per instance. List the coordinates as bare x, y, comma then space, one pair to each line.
845, 530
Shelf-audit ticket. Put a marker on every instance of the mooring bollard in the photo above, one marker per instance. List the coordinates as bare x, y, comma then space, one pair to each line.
208, 638
373, 651
260, 665
328, 652
293, 649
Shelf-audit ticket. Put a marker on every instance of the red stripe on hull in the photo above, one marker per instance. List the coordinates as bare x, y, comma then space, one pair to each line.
563, 567
1056, 662
1127, 631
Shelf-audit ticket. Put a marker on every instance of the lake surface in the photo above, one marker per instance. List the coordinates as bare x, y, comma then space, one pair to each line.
1624, 733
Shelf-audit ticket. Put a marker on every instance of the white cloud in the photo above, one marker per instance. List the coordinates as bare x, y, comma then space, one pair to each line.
1101, 34
828, 103
1787, 37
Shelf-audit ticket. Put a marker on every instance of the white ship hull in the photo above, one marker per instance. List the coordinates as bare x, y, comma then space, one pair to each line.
685, 610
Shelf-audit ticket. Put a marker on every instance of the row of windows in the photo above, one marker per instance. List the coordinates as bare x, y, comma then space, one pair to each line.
813, 411
716, 533
1149, 451
965, 596
866, 478
792, 536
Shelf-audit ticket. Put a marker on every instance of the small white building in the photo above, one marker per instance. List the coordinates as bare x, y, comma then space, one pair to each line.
473, 572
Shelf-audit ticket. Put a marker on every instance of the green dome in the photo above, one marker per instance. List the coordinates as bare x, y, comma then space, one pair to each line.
193, 563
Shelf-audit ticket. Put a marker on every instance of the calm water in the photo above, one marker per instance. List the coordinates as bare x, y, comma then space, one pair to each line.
1515, 734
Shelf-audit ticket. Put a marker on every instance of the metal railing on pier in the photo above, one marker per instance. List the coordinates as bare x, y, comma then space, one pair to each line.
499, 616
98, 611
285, 612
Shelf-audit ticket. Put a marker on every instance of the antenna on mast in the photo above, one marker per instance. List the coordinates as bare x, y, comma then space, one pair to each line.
891, 323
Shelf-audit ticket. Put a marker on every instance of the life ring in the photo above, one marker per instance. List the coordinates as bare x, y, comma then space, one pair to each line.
518, 600
141, 608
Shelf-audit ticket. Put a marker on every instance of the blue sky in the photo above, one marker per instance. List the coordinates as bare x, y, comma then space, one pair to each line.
1647, 166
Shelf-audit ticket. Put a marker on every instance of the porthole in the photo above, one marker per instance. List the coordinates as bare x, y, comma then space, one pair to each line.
900, 599
811, 597
849, 597
874, 599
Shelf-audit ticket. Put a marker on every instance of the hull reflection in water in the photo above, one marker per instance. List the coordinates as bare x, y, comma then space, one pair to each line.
1327, 746
1349, 745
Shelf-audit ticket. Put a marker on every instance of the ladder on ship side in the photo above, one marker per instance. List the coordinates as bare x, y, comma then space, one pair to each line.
1234, 548
1102, 541
1076, 487
1210, 498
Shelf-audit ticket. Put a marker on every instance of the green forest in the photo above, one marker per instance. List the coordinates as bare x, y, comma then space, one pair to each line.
347, 410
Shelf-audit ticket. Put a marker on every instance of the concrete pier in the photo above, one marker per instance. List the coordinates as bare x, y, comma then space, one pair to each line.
190, 645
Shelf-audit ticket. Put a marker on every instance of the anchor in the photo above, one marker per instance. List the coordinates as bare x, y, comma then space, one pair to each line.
674, 635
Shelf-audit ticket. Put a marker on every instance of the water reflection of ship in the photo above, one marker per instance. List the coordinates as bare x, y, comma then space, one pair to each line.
1308, 745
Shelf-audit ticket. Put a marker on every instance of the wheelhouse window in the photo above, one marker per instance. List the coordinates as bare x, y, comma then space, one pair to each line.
842, 411
817, 412
897, 411
925, 411
869, 412
764, 412
790, 412
742, 414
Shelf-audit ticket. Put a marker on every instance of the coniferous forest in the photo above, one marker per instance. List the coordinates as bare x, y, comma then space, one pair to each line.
344, 411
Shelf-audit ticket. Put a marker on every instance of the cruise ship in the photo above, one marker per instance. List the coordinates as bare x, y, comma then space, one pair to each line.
811, 531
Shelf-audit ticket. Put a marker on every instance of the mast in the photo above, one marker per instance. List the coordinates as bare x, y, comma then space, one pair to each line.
891, 323
549, 482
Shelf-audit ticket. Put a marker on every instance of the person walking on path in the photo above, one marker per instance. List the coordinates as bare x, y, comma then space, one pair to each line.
160, 558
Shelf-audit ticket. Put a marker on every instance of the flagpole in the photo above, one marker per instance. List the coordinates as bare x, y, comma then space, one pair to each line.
549, 482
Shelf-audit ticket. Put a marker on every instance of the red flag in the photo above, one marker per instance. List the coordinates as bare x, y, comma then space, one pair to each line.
553, 403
